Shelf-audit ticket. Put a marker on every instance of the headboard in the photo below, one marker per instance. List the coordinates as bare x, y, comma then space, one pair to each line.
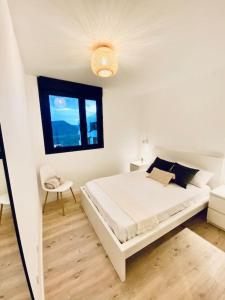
212, 163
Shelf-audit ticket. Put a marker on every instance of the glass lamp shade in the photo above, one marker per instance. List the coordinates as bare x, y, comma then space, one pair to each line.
104, 62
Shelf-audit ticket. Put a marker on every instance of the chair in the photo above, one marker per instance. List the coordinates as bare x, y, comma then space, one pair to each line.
47, 172
4, 200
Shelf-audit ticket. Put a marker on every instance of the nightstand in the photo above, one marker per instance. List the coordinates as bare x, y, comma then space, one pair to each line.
139, 165
216, 210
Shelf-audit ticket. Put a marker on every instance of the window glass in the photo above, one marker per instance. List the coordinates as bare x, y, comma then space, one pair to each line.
91, 119
65, 121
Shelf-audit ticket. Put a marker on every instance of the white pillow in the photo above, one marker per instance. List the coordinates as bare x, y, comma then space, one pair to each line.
201, 178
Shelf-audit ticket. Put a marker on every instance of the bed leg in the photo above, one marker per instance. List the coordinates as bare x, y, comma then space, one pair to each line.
119, 264
122, 270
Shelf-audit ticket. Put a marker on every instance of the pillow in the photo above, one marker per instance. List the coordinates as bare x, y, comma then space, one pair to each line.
161, 176
183, 174
52, 183
161, 164
201, 178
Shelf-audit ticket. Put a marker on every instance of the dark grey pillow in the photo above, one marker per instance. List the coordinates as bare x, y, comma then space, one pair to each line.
183, 174
161, 164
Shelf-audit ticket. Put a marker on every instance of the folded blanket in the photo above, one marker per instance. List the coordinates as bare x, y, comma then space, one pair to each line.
53, 183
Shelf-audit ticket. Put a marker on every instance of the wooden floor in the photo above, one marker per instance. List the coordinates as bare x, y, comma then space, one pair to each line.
77, 268
13, 284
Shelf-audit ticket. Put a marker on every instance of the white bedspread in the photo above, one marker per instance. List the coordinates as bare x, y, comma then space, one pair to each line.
112, 195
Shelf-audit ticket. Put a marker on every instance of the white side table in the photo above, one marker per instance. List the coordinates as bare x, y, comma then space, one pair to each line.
216, 209
139, 165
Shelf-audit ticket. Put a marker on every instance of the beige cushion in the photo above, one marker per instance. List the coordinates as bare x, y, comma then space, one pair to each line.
52, 183
161, 176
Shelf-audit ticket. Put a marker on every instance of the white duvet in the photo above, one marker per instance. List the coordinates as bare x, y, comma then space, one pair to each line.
150, 201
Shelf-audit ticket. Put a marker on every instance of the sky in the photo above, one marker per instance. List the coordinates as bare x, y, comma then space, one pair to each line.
67, 109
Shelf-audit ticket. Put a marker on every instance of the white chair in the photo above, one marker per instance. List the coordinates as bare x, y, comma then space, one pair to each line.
4, 200
47, 172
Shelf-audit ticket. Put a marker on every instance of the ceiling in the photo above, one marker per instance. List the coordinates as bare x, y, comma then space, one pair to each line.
55, 37
156, 40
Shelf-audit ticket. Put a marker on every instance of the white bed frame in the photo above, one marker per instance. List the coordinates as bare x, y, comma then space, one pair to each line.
117, 252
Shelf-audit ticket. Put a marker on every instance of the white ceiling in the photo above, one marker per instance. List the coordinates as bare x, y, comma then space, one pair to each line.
156, 40
55, 37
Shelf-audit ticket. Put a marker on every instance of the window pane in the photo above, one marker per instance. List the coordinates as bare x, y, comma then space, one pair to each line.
65, 120
91, 117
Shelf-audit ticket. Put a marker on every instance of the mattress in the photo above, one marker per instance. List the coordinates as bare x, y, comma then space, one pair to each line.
161, 202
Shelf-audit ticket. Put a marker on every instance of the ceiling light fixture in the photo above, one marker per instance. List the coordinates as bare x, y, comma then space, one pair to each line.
104, 61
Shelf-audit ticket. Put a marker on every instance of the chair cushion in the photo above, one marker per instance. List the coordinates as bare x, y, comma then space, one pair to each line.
52, 183
65, 186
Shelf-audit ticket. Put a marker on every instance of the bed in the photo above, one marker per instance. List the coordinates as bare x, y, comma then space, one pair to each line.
164, 208
159, 202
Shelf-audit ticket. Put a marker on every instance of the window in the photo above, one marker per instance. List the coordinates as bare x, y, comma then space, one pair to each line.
71, 115
91, 118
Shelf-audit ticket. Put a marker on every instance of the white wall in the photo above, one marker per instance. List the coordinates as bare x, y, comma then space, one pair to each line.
184, 106
121, 133
189, 115
16, 135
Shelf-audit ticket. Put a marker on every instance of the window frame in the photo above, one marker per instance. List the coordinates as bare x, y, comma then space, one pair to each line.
49, 86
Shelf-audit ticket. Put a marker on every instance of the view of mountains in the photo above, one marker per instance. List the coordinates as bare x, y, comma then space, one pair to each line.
65, 134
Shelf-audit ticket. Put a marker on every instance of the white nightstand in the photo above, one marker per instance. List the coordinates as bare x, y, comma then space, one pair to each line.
216, 210
139, 165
